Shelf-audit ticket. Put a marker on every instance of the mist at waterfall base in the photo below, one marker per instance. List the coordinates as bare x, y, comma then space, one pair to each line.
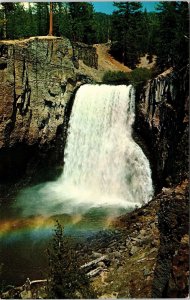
103, 167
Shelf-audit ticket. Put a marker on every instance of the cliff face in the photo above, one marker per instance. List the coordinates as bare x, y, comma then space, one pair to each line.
37, 79
81, 52
162, 122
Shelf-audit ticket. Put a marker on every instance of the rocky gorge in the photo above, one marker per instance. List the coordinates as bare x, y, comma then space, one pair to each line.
149, 248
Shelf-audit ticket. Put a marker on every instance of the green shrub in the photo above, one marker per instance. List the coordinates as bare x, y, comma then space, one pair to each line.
139, 76
115, 77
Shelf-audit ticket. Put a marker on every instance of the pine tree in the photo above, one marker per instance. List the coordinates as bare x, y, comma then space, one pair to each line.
82, 22
102, 27
153, 32
172, 46
7, 8
42, 18
62, 20
67, 280
126, 27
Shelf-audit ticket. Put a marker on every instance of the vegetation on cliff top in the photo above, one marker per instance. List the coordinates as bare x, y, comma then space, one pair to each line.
138, 77
163, 33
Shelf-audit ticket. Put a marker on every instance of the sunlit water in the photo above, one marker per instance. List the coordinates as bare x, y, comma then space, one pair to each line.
105, 174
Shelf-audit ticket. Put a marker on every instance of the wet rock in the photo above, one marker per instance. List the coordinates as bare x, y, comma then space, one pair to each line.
166, 190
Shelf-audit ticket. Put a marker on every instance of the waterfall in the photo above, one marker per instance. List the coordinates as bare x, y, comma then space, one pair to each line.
103, 166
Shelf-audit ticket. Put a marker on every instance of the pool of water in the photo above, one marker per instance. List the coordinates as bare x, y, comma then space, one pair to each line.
24, 238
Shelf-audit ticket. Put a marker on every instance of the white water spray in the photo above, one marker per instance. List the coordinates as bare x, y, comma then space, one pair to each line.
104, 167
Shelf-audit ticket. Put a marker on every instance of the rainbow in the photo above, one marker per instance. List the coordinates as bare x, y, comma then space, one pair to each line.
43, 226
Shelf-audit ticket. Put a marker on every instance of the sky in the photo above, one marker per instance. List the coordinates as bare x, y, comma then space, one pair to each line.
107, 7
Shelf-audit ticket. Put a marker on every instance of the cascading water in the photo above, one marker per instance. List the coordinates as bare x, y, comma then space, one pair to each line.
103, 167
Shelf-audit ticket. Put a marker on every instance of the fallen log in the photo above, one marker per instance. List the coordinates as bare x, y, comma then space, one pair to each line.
92, 264
95, 272
34, 282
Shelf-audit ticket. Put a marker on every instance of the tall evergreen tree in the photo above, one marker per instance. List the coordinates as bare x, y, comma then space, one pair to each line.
30, 22
42, 18
82, 21
153, 32
16, 16
172, 46
62, 20
102, 27
7, 9
126, 27
67, 279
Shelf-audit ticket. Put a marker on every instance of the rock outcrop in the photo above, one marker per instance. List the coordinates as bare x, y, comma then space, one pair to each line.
169, 279
35, 86
38, 78
86, 53
162, 123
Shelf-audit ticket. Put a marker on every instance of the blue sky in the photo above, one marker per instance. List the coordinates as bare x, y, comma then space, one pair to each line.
107, 7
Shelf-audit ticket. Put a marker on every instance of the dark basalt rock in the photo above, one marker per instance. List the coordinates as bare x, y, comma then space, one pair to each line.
173, 219
161, 126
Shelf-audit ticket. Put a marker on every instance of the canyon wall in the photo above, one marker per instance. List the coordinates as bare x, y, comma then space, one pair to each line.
162, 127
162, 123
38, 78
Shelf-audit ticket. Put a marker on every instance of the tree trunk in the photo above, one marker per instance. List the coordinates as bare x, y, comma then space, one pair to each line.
51, 19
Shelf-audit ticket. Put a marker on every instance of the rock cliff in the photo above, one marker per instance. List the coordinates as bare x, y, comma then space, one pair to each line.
38, 78
81, 52
162, 123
